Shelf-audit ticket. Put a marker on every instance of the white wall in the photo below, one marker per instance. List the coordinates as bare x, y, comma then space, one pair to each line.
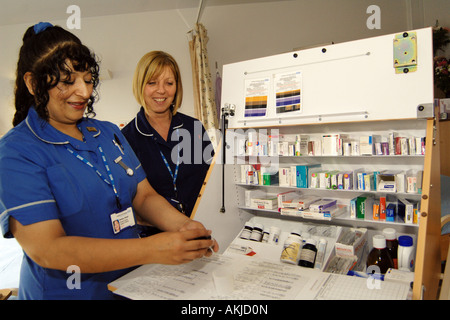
119, 41
236, 33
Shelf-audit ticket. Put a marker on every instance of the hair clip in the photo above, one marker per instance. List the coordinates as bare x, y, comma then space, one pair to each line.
41, 26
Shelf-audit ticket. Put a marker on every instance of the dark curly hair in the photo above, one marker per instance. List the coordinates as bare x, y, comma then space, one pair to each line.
45, 55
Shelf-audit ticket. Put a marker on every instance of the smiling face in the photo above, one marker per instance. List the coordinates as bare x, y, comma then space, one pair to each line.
159, 93
69, 98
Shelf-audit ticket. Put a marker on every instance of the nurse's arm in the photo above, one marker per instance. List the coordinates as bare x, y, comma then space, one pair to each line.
47, 244
151, 207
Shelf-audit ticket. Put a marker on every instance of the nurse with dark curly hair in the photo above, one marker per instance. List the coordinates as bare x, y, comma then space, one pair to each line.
71, 187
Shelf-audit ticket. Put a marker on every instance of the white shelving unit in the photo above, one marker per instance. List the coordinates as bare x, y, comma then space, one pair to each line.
350, 88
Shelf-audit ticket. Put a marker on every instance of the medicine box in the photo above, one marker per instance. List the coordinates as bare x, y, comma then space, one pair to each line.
250, 194
286, 197
284, 177
331, 145
364, 207
353, 208
323, 205
300, 202
391, 212
388, 181
406, 210
314, 182
351, 242
367, 143
300, 174
264, 203
270, 178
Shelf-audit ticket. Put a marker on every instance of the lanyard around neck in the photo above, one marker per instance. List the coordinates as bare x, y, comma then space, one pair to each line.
108, 170
174, 176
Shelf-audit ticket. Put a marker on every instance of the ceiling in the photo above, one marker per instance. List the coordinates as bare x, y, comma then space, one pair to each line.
28, 11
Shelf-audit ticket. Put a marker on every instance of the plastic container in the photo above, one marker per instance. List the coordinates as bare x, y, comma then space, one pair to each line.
292, 248
274, 235
406, 253
379, 255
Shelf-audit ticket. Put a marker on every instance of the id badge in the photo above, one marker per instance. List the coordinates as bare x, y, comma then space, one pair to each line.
122, 220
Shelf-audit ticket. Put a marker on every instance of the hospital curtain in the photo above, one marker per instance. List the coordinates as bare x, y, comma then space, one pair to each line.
204, 96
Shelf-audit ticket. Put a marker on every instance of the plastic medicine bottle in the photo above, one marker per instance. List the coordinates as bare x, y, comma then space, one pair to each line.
257, 232
292, 248
308, 254
405, 253
391, 244
274, 235
379, 256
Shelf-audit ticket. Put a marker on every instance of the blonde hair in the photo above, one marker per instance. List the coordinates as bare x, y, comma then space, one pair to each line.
152, 66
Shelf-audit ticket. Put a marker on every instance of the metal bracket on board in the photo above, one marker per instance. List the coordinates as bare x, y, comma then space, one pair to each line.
405, 52
425, 111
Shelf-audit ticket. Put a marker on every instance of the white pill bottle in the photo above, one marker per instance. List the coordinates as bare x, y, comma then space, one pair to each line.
406, 253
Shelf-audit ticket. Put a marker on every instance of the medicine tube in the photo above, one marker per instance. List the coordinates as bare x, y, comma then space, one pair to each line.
247, 231
257, 232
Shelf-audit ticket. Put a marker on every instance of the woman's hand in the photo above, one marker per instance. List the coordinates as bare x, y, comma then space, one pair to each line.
192, 225
182, 246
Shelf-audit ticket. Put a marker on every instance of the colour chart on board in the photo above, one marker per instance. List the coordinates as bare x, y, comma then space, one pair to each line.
361, 80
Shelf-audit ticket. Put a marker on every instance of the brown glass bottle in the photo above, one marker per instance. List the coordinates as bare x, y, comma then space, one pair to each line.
379, 256
391, 244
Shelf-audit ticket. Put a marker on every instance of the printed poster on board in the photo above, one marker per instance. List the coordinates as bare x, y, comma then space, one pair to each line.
288, 91
256, 96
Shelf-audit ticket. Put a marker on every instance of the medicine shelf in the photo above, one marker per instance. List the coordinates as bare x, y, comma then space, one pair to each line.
329, 191
340, 219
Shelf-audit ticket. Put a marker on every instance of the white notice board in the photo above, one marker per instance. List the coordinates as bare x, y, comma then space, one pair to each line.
352, 81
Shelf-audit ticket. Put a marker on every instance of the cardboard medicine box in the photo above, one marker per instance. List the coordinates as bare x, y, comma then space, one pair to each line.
265, 203
356, 248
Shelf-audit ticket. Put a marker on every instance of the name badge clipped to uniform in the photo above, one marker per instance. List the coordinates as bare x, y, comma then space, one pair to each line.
122, 220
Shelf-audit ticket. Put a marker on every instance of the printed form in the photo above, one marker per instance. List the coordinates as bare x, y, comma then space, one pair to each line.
251, 279
239, 277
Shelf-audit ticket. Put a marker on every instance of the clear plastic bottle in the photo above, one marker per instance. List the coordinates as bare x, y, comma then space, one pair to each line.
292, 248
392, 245
379, 255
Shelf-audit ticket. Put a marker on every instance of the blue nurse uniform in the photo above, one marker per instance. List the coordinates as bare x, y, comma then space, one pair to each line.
41, 180
187, 143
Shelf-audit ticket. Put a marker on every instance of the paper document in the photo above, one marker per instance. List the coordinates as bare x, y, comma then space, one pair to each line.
342, 287
248, 278
252, 279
